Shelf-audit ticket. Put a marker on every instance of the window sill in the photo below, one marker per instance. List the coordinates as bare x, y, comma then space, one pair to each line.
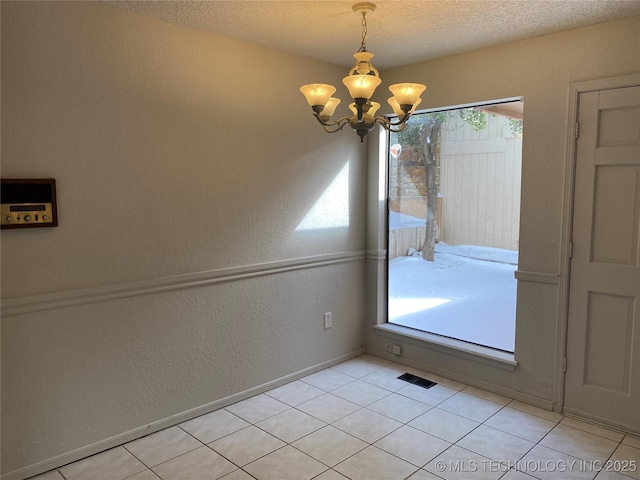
450, 346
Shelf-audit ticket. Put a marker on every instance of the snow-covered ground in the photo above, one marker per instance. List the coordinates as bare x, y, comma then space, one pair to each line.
400, 220
468, 293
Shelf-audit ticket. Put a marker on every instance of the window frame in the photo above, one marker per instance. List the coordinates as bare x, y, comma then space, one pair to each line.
379, 221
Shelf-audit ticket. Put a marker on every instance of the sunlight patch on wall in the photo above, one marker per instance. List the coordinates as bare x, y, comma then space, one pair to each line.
332, 208
399, 307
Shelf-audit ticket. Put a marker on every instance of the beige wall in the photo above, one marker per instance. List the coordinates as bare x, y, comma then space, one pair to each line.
540, 70
176, 277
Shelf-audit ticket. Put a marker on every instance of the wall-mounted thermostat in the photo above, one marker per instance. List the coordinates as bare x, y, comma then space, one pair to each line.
28, 203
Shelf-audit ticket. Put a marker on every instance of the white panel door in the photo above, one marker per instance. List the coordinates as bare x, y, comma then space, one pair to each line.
603, 337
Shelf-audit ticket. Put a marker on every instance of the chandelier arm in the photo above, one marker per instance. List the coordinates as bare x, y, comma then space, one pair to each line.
397, 130
332, 127
388, 125
393, 124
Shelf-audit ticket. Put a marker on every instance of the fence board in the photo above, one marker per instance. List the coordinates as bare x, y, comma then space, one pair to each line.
402, 239
480, 185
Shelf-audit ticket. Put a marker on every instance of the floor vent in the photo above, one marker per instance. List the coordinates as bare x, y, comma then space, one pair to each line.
416, 380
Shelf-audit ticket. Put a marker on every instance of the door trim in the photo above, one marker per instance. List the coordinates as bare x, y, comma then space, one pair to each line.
575, 89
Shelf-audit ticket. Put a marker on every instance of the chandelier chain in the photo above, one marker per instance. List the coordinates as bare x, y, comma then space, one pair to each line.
363, 47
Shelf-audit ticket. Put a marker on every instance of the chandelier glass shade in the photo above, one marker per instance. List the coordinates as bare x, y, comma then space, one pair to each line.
362, 81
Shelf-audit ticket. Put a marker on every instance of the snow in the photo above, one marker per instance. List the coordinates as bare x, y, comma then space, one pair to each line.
468, 293
488, 254
401, 220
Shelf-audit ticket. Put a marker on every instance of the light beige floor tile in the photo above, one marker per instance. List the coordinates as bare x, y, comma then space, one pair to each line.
146, 475
496, 444
361, 393
386, 378
373, 359
607, 475
330, 475
295, 393
214, 425
290, 425
367, 425
238, 475
328, 407
515, 475
493, 397
398, 368
330, 445
356, 367
413, 445
257, 408
404, 369
423, 475
533, 410
53, 475
200, 464
579, 444
162, 446
400, 408
470, 406
328, 379
625, 460
445, 382
285, 464
591, 428
521, 424
456, 463
114, 464
375, 464
431, 396
443, 424
247, 445
548, 464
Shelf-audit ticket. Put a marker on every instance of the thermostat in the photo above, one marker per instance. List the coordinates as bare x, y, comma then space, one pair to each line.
28, 203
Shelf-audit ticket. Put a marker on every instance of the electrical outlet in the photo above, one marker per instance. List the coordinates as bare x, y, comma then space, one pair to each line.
328, 320
397, 350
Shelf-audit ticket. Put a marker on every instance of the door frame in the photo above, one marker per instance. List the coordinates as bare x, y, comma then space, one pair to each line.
575, 89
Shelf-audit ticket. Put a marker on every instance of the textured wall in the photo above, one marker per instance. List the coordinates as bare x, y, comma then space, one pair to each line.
166, 167
540, 70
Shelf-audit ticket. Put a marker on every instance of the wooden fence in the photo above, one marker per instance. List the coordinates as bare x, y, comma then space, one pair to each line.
403, 239
480, 175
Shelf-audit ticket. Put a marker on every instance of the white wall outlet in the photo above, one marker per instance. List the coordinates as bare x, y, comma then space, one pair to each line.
397, 350
328, 320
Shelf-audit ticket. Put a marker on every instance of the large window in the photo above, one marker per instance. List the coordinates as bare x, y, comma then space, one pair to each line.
454, 213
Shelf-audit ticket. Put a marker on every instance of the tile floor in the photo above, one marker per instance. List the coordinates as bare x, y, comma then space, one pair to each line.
357, 421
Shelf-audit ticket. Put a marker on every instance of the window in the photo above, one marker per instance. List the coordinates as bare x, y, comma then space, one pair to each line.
454, 212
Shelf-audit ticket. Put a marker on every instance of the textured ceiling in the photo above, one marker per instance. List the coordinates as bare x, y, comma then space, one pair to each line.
399, 32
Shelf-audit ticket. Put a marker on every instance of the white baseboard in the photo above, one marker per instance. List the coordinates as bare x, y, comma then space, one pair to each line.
601, 422
106, 444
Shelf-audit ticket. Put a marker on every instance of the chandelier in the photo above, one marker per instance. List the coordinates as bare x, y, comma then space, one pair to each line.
361, 82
